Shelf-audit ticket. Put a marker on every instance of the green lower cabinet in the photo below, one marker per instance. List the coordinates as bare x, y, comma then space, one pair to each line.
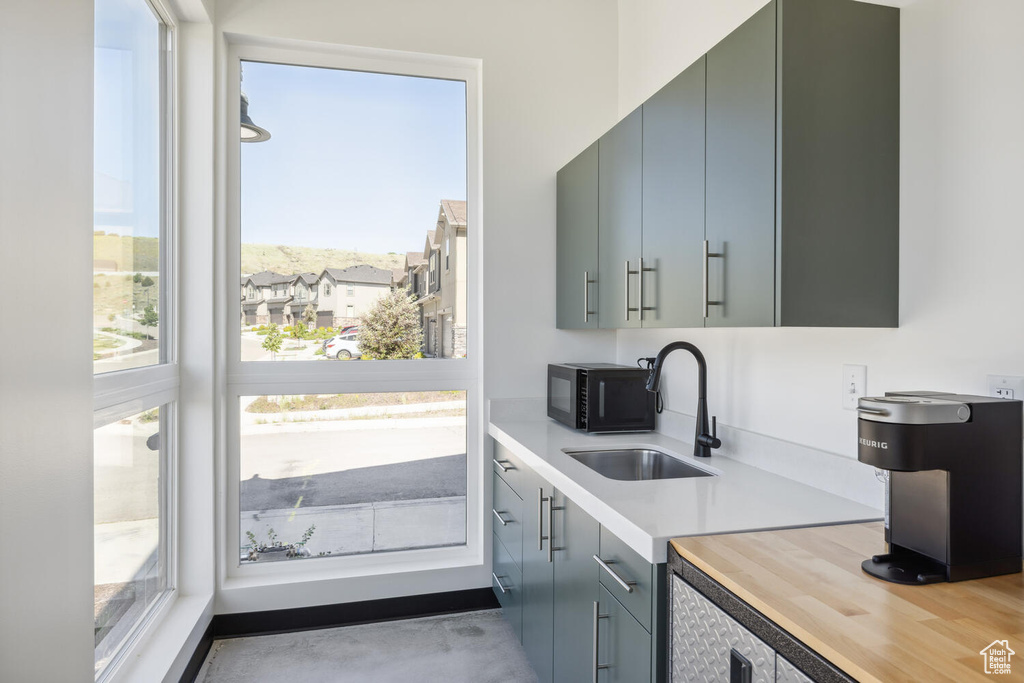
507, 583
575, 536
624, 646
538, 578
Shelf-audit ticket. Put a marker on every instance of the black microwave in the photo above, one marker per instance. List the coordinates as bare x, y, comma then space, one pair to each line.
600, 397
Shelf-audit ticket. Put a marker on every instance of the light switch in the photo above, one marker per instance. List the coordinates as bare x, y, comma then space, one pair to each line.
855, 383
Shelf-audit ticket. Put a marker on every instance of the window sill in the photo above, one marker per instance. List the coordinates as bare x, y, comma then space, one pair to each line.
165, 648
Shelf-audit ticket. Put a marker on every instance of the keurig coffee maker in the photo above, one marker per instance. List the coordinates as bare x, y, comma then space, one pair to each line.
955, 505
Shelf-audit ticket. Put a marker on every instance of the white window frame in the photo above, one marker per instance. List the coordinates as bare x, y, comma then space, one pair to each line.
312, 377
121, 393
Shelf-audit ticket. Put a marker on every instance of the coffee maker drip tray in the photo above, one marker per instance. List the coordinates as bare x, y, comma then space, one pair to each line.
905, 567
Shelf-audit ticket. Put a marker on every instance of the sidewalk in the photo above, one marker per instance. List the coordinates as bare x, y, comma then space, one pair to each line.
365, 527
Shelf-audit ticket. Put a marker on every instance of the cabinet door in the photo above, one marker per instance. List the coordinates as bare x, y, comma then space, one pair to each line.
740, 223
538, 578
576, 243
703, 638
673, 201
620, 199
576, 541
623, 645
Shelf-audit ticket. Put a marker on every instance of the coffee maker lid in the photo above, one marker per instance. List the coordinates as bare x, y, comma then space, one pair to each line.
914, 407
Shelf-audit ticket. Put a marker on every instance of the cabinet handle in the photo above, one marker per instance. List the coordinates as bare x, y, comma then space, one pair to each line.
706, 301
540, 519
626, 585
740, 668
597, 616
586, 296
640, 273
502, 465
629, 272
497, 580
498, 515
551, 535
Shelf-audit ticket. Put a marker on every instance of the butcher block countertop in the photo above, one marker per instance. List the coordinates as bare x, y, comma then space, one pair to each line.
809, 582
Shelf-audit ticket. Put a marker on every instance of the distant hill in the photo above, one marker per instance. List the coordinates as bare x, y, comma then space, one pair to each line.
141, 254
288, 260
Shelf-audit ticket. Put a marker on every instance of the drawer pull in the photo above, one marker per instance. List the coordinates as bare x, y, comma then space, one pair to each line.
740, 668
626, 585
498, 515
502, 464
497, 580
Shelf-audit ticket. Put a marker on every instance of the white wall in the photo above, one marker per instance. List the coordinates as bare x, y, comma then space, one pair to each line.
46, 56
961, 290
549, 89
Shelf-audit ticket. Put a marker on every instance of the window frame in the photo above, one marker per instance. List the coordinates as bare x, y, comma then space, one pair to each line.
312, 377
121, 393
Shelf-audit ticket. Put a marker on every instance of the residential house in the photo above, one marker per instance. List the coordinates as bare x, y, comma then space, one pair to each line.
264, 295
442, 285
345, 294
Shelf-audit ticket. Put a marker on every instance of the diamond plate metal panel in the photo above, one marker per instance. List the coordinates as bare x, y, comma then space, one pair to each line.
702, 637
785, 672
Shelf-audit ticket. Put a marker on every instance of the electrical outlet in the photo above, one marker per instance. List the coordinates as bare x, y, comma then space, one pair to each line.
1005, 386
855, 385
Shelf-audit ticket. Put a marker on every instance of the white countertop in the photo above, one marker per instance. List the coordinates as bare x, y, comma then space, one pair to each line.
646, 514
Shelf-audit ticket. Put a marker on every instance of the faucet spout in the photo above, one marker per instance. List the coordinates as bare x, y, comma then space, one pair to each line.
704, 439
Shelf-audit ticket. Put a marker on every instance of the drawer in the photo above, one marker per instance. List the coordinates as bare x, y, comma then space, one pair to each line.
507, 583
633, 570
507, 519
510, 468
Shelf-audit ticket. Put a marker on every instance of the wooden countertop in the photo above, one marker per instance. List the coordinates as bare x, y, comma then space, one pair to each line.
809, 582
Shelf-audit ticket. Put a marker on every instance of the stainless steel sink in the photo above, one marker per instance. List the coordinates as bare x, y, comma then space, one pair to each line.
635, 464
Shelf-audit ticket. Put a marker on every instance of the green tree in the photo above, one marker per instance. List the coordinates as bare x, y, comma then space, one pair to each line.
149, 317
309, 314
272, 342
137, 278
298, 331
147, 281
391, 328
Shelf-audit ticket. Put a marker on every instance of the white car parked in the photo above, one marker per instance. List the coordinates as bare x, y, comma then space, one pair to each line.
342, 347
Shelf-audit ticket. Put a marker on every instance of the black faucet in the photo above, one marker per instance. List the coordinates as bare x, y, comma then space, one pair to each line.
703, 441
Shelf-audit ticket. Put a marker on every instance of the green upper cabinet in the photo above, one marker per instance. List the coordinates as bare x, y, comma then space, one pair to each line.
620, 216
837, 201
761, 186
576, 243
673, 201
740, 222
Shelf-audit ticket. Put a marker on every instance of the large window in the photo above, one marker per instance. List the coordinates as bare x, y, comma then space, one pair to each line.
135, 385
366, 444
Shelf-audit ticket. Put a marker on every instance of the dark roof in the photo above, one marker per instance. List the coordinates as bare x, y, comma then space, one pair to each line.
455, 211
309, 278
267, 277
361, 273
279, 300
414, 258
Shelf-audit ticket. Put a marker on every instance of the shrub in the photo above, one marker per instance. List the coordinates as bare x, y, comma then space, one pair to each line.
391, 328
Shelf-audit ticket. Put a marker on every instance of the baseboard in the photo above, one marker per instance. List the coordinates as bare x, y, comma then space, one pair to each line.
195, 662
329, 616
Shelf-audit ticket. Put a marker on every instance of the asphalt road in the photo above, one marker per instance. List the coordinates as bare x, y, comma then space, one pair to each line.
429, 478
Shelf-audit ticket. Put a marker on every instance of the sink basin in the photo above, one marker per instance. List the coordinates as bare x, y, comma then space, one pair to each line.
635, 464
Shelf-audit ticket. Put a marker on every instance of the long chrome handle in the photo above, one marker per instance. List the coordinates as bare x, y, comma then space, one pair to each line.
706, 302
586, 296
640, 274
597, 615
497, 580
540, 519
498, 515
551, 535
626, 585
502, 465
626, 297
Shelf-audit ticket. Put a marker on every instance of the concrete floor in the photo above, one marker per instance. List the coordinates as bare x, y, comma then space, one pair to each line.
472, 647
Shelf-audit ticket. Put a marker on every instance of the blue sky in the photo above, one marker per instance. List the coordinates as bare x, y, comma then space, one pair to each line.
355, 160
